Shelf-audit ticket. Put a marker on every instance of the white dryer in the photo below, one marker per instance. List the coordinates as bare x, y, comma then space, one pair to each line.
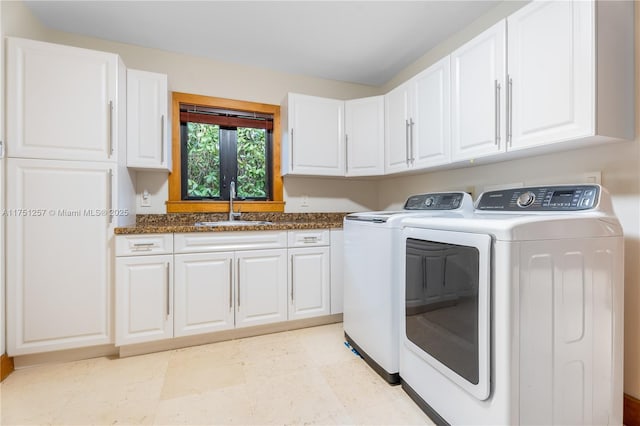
514, 315
371, 289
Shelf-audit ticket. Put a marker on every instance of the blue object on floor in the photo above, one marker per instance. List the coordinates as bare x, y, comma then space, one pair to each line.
352, 349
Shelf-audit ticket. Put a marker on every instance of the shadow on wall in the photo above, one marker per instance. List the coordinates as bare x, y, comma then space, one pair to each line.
304, 194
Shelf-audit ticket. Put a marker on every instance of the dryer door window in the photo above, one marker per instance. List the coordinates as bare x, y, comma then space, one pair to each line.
442, 313
446, 309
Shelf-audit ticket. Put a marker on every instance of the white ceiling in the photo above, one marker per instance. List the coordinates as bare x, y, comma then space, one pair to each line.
365, 42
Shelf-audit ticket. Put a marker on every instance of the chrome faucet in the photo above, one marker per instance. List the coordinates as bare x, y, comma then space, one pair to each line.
232, 195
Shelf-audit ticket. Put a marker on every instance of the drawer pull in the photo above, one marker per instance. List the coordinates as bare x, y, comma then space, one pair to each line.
143, 246
308, 240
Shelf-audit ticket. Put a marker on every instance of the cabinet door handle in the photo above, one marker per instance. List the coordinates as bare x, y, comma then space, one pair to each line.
168, 282
109, 127
406, 139
346, 153
238, 282
110, 199
291, 148
411, 123
230, 284
292, 278
162, 138
497, 112
510, 111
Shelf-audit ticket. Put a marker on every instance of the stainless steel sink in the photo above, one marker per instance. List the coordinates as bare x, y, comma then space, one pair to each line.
235, 223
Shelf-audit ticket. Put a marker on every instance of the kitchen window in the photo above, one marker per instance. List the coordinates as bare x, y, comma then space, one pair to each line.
219, 141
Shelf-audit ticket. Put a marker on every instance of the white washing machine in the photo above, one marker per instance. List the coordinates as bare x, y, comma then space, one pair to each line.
371, 289
514, 315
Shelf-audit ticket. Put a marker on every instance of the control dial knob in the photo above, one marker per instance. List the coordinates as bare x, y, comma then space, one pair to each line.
428, 202
526, 199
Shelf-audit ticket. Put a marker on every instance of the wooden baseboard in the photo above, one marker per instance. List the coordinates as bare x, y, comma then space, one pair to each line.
631, 416
6, 366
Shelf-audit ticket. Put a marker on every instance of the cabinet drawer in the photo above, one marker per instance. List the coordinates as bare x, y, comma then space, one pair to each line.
229, 241
142, 245
309, 237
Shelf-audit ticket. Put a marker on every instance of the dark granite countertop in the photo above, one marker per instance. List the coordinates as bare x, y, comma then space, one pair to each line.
185, 222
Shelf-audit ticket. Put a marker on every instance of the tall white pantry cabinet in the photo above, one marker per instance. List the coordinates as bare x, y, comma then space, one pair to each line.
69, 187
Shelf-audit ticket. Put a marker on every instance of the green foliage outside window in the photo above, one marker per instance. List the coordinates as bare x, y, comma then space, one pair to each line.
203, 168
252, 163
203, 148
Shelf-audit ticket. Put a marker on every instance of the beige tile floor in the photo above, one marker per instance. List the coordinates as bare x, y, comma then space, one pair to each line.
296, 377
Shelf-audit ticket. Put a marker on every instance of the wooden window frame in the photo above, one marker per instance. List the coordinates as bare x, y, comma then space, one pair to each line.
176, 204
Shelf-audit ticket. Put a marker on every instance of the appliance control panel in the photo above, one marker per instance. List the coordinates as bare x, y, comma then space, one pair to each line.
435, 201
541, 198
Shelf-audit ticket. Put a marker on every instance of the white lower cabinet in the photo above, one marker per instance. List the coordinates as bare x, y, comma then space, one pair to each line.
144, 289
309, 286
309, 273
203, 293
261, 287
221, 291
194, 283
337, 271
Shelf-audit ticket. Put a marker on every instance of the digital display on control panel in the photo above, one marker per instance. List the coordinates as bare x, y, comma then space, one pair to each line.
543, 198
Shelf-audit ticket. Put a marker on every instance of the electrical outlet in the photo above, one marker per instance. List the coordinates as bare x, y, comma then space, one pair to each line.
305, 201
145, 199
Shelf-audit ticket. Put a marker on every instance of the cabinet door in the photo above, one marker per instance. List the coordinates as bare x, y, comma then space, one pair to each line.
144, 288
261, 294
337, 271
203, 293
147, 121
58, 255
478, 95
396, 129
431, 104
61, 101
316, 130
364, 123
309, 282
551, 72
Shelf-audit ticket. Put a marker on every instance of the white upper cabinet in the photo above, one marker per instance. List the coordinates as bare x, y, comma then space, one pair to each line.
364, 138
417, 121
148, 135
431, 104
396, 129
62, 102
570, 72
478, 95
313, 141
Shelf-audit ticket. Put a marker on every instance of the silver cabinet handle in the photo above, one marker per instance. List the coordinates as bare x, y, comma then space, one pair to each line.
292, 278
239, 283
291, 149
406, 139
510, 111
230, 284
162, 138
109, 127
346, 153
168, 282
497, 112
411, 123
110, 199
143, 246
309, 240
